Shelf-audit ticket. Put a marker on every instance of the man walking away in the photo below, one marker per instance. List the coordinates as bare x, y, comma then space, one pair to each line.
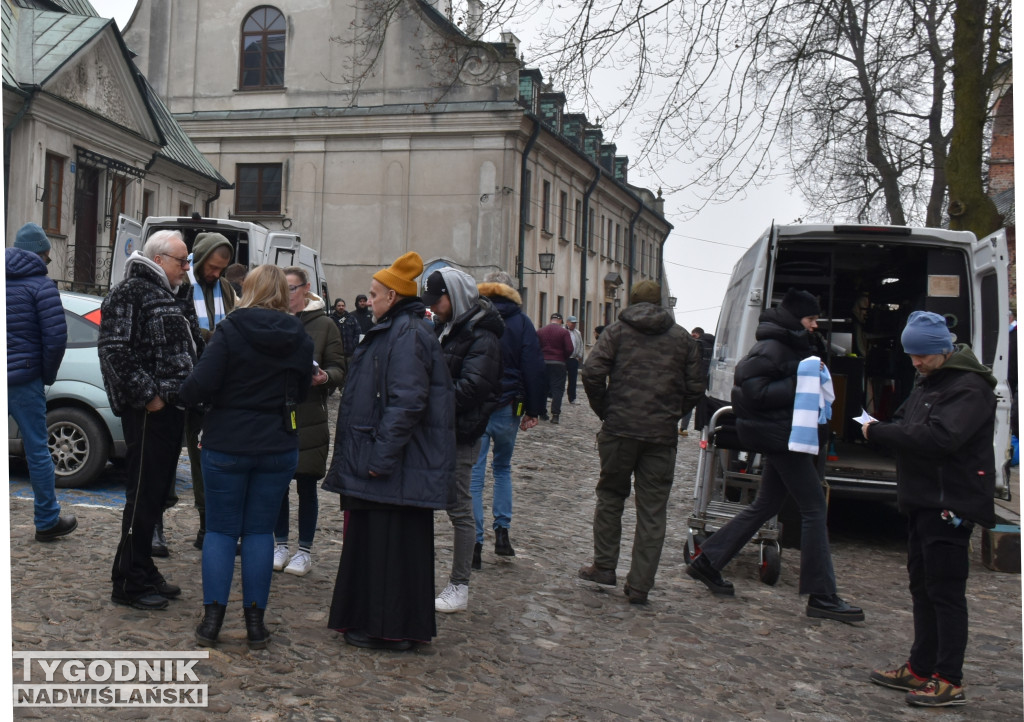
468, 328
149, 342
641, 377
523, 389
36, 337
572, 364
556, 345
945, 482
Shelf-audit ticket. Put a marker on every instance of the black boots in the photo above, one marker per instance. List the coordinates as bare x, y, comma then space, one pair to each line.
255, 630
477, 550
209, 628
502, 546
701, 570
159, 545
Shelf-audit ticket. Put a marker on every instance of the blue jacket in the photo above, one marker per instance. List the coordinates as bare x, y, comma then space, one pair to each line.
397, 416
36, 331
524, 373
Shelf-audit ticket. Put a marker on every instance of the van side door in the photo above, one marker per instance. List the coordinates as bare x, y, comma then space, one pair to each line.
127, 241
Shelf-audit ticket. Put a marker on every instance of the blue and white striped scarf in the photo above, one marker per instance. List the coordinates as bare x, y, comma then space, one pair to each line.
812, 406
200, 303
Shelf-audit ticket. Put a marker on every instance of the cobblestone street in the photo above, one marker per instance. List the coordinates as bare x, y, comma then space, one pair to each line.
537, 643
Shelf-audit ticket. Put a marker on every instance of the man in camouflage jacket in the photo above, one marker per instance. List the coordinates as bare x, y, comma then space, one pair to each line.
643, 374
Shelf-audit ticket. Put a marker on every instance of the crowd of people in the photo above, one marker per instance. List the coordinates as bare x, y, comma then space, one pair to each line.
242, 369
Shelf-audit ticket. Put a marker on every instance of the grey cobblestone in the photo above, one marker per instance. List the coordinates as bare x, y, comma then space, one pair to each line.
536, 643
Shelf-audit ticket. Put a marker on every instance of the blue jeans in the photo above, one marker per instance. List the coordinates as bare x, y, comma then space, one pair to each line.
243, 498
502, 428
309, 510
27, 404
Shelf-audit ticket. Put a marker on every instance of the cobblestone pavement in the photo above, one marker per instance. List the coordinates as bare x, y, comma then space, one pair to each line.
537, 643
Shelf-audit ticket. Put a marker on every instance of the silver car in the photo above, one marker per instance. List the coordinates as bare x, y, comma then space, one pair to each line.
84, 433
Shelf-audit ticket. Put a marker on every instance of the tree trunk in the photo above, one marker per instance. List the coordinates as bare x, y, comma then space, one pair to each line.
970, 209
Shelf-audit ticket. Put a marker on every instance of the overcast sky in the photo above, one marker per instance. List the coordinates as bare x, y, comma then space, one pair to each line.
700, 252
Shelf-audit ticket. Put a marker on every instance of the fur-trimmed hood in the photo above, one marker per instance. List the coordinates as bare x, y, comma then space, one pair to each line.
500, 290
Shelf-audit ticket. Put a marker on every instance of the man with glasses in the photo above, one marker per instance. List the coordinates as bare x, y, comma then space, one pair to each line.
149, 341
213, 298
36, 338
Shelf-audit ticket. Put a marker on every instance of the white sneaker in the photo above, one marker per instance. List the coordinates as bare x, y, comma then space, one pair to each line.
280, 557
300, 564
454, 598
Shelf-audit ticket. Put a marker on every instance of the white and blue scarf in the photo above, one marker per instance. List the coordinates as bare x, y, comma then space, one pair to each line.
812, 406
200, 303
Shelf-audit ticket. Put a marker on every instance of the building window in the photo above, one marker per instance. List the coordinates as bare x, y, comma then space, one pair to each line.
643, 258
184, 209
147, 204
118, 190
590, 230
546, 208
258, 188
54, 193
527, 196
618, 242
561, 306
563, 210
609, 239
575, 307
263, 37
543, 302
578, 224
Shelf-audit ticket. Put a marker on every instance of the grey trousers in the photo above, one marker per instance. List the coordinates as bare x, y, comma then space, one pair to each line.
461, 514
651, 468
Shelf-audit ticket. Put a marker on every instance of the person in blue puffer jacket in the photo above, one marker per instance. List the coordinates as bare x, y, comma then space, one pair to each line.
36, 337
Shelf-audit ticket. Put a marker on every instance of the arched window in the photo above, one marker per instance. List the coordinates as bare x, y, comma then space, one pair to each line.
263, 36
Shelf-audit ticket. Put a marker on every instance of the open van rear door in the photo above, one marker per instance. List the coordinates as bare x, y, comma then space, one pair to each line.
989, 266
128, 240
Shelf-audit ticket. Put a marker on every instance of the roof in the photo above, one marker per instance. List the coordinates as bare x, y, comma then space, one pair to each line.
56, 37
1005, 205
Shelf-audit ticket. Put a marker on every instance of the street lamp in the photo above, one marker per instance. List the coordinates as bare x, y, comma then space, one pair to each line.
671, 301
547, 264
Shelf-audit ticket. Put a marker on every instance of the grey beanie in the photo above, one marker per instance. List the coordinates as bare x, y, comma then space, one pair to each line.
31, 237
926, 334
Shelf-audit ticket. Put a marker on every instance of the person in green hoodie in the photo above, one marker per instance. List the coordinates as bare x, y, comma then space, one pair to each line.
942, 436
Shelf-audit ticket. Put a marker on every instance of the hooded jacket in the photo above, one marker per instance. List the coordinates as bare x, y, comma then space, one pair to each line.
942, 436
149, 337
472, 352
37, 333
643, 375
258, 360
200, 252
522, 362
397, 416
764, 385
328, 352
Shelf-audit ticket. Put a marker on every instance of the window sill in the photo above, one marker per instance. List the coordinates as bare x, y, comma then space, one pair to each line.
563, 239
257, 217
263, 89
546, 233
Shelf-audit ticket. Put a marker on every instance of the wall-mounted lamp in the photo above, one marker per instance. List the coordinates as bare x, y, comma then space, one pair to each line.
671, 301
547, 264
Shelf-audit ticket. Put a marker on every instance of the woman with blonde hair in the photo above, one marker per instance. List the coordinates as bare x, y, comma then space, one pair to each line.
254, 373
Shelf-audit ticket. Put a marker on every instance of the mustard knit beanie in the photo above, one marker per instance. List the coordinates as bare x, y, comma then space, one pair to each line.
401, 276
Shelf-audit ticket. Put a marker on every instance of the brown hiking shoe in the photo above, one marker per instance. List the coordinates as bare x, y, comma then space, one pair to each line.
596, 574
635, 595
902, 677
936, 692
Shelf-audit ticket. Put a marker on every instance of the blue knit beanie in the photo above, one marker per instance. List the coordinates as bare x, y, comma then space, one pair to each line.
926, 333
31, 237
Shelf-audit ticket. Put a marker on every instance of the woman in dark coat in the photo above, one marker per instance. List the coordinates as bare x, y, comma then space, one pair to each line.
763, 396
256, 370
394, 463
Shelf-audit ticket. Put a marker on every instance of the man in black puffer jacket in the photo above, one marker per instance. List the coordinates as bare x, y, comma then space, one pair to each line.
945, 471
469, 328
763, 396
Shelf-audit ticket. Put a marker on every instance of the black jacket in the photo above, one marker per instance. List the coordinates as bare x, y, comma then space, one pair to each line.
397, 416
523, 374
764, 385
472, 352
257, 360
942, 436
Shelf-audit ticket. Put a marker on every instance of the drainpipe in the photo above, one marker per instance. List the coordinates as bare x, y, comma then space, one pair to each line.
8, 135
632, 247
586, 248
524, 208
210, 201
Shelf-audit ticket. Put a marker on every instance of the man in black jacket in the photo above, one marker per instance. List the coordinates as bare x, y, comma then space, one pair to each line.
945, 465
468, 328
149, 341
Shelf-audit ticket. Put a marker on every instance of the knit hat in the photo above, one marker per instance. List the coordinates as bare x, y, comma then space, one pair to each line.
205, 244
645, 292
800, 303
401, 276
926, 333
31, 237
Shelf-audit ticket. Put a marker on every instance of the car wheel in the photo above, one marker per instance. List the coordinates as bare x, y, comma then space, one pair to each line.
79, 446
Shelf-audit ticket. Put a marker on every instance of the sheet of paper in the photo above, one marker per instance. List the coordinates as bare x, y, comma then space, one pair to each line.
864, 418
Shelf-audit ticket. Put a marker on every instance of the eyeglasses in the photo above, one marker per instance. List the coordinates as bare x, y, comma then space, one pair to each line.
293, 289
181, 261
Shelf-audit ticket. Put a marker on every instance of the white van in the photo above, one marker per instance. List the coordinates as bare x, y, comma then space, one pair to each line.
868, 279
253, 244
